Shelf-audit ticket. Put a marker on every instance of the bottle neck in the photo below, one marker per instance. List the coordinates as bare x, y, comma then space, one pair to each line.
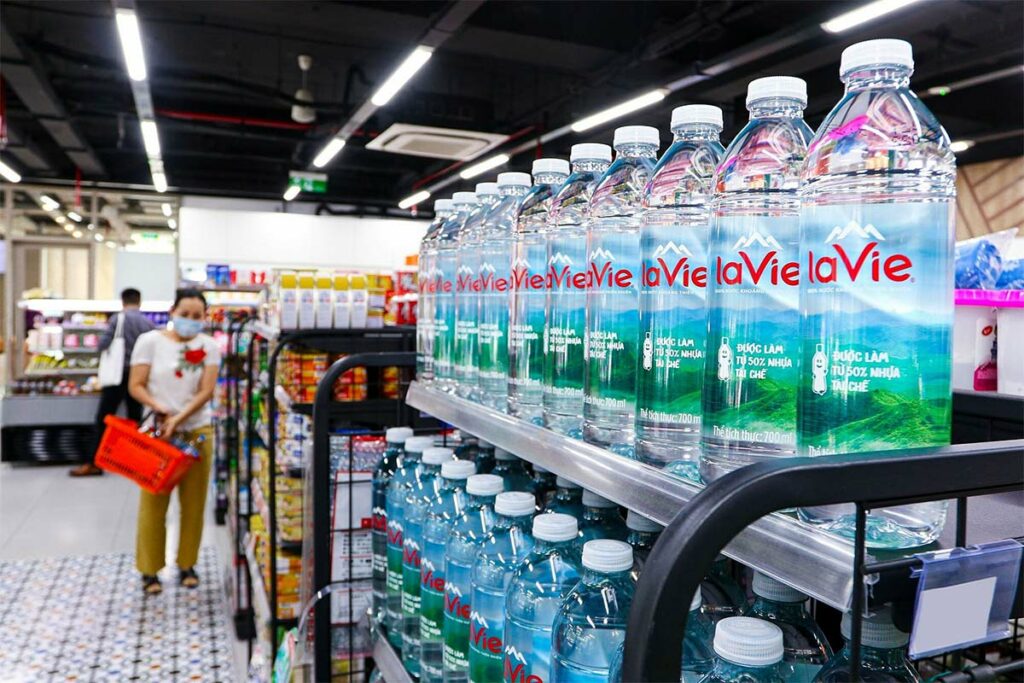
481, 501
544, 546
453, 484
776, 108
595, 165
592, 576
509, 521
786, 610
730, 671
636, 150
891, 658
411, 458
509, 465
600, 513
513, 190
430, 470
884, 77
549, 178
696, 132
569, 494
485, 200
642, 537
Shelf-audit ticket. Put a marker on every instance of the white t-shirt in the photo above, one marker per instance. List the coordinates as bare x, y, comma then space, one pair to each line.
175, 369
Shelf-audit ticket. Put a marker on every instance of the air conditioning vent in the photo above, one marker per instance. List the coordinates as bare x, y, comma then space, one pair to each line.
437, 143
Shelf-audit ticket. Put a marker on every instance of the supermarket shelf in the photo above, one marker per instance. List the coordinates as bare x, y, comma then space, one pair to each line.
388, 661
260, 602
47, 409
49, 372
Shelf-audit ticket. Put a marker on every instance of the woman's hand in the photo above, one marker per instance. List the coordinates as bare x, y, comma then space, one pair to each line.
170, 425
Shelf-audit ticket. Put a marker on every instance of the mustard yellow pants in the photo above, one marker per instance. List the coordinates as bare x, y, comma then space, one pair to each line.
151, 539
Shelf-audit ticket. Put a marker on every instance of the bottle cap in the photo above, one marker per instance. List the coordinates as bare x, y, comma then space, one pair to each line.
877, 630
786, 87
436, 455
502, 454
486, 189
592, 500
418, 444
636, 135
442, 205
397, 434
606, 555
883, 52
341, 285
485, 444
590, 150
696, 600
748, 641
563, 483
697, 113
457, 469
540, 166
464, 198
766, 587
514, 503
484, 485
514, 178
554, 526
637, 522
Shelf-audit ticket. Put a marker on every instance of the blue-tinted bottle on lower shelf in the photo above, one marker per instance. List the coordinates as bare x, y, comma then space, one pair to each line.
544, 486
723, 595
883, 653
512, 471
468, 534
535, 594
591, 621
806, 648
382, 475
506, 546
747, 650
442, 513
643, 534
485, 460
468, 446
601, 519
568, 498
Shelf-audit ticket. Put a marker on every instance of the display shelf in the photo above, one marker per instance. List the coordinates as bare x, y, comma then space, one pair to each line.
76, 372
388, 661
260, 602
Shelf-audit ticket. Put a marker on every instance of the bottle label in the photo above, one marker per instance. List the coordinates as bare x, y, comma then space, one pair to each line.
671, 369
750, 388
467, 293
486, 650
456, 616
444, 314
517, 667
526, 326
878, 307
432, 592
394, 578
492, 327
567, 315
410, 578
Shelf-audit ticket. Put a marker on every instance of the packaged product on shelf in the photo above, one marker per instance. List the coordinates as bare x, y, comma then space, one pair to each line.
376, 289
350, 602
324, 301
358, 294
342, 303
351, 555
288, 301
353, 495
307, 301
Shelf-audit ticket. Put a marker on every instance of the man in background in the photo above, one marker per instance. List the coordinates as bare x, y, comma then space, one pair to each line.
135, 323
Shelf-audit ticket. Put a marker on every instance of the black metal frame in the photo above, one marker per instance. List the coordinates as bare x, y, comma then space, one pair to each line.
245, 627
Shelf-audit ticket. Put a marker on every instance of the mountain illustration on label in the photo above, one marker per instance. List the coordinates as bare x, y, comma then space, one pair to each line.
486, 267
463, 270
724, 360
648, 354
747, 241
521, 262
867, 232
601, 253
819, 370
559, 257
672, 247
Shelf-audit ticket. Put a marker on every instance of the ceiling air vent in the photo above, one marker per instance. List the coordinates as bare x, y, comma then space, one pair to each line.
437, 143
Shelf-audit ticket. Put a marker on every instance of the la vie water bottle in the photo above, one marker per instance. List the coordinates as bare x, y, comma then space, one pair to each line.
747, 650
445, 296
876, 232
883, 652
601, 519
382, 474
426, 280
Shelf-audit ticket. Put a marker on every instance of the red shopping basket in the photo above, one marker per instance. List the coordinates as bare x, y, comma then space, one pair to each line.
155, 465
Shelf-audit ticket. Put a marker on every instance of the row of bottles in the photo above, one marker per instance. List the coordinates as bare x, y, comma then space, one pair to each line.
717, 307
508, 576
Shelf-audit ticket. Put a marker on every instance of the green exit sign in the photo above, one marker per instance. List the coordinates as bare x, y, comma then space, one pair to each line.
312, 183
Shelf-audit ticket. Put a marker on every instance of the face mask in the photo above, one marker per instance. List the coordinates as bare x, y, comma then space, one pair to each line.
186, 327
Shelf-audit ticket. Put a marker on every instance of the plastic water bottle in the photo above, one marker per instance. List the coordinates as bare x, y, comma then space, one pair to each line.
497, 243
566, 310
468, 446
568, 498
591, 621
407, 472
529, 292
467, 290
601, 519
382, 474
643, 534
426, 279
508, 543
751, 366
535, 594
442, 513
512, 471
747, 650
444, 300
883, 653
698, 648
877, 233
468, 533
543, 486
485, 458
723, 595
806, 648
613, 291
673, 241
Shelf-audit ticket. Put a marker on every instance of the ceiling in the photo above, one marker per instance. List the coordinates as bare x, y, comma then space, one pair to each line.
223, 77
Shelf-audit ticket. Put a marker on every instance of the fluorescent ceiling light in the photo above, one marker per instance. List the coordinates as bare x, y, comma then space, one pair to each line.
172, 224
69, 226
75, 216
48, 202
160, 182
292, 192
406, 70
98, 237
414, 199
958, 146
329, 151
150, 138
484, 166
166, 209
112, 244
9, 173
618, 110
77, 234
60, 219
864, 14
131, 44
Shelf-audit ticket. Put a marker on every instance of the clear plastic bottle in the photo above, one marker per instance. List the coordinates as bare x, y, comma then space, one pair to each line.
442, 513
382, 474
566, 307
601, 519
673, 242
406, 473
751, 365
883, 653
485, 458
496, 247
512, 471
698, 642
613, 291
468, 446
643, 534
468, 533
544, 486
444, 299
467, 290
568, 498
877, 229
806, 648
535, 594
507, 544
526, 347
591, 621
426, 280
747, 650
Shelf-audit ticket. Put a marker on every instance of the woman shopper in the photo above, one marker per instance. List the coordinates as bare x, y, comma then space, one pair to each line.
173, 373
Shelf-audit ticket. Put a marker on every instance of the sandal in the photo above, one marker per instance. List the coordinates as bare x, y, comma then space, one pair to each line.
151, 585
188, 578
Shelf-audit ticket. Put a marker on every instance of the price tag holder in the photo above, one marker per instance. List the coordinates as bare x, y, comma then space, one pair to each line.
964, 597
